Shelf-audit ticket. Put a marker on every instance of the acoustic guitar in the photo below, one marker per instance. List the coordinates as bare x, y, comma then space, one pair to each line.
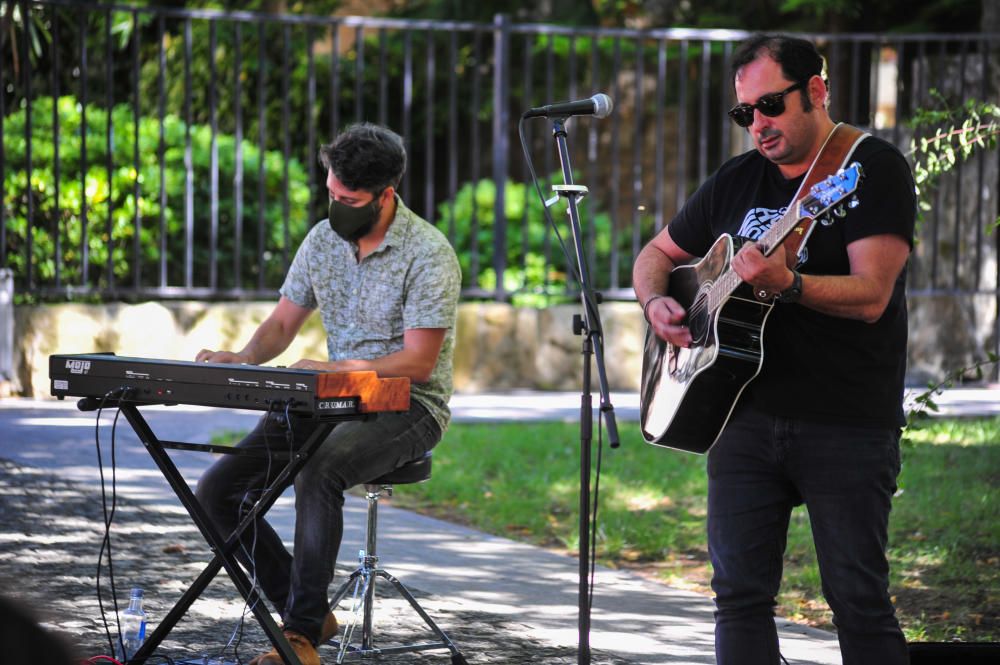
688, 394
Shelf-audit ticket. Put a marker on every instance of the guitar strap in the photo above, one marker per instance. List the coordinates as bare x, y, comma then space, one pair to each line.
833, 156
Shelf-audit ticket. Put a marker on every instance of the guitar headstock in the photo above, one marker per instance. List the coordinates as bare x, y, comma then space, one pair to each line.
828, 193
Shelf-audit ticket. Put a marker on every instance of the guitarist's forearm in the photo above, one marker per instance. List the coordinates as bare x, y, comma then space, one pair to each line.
876, 262
651, 269
844, 296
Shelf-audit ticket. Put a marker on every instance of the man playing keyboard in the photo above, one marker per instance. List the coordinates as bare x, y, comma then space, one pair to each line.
386, 284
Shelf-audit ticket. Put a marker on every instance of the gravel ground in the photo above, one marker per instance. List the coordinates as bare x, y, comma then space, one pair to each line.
50, 537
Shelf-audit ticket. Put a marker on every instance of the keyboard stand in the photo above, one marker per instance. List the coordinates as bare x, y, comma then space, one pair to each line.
224, 550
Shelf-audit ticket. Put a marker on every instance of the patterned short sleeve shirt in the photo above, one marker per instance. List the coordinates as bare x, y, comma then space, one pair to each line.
411, 280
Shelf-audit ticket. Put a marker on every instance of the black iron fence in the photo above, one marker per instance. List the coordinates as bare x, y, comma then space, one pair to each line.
153, 152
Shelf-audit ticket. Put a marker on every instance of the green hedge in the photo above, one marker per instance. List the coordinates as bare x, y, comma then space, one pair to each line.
534, 280
114, 196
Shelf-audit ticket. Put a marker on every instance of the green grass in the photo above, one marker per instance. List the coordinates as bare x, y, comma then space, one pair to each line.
522, 481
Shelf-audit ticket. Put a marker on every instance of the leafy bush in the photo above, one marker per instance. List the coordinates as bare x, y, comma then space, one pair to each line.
536, 269
114, 215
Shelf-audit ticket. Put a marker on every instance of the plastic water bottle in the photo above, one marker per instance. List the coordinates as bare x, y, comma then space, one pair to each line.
133, 626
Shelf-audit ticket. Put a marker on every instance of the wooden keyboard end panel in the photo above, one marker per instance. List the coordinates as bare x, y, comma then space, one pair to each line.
375, 394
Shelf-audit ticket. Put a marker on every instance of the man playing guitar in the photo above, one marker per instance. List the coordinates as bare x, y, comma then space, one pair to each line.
820, 423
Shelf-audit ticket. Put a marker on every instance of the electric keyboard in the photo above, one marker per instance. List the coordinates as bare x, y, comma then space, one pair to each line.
151, 381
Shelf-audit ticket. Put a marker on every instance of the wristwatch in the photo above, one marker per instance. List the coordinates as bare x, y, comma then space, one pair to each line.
794, 292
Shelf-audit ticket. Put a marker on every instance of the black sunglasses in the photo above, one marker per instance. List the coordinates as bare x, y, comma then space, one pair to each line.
771, 105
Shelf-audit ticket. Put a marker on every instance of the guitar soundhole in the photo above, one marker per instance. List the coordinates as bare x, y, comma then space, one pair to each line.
698, 322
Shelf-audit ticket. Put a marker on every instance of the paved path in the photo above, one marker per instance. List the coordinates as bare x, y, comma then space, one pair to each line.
462, 569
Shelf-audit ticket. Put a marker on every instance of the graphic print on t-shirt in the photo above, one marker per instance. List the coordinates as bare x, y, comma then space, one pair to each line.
758, 221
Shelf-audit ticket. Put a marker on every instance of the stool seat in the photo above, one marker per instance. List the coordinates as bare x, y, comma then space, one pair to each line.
415, 471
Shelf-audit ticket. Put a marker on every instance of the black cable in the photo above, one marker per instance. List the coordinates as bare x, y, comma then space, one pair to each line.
108, 517
593, 521
237, 637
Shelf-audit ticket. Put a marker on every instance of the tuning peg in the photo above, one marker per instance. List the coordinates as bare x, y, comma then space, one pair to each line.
853, 202
839, 211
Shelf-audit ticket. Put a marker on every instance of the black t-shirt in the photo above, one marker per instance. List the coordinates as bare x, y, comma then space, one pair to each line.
817, 367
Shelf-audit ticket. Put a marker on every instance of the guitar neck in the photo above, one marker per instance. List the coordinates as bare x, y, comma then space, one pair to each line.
729, 281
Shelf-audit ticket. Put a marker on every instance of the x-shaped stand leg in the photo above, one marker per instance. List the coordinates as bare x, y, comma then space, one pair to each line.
224, 550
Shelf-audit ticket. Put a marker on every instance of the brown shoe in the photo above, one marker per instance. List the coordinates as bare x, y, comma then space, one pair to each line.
301, 645
330, 628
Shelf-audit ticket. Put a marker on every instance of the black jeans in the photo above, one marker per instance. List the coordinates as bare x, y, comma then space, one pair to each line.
759, 469
354, 453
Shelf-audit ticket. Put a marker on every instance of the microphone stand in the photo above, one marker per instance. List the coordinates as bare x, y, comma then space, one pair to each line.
589, 326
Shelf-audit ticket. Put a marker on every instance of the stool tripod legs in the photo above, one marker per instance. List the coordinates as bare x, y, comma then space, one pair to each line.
362, 581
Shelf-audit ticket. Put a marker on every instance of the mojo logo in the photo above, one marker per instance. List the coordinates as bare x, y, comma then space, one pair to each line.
78, 366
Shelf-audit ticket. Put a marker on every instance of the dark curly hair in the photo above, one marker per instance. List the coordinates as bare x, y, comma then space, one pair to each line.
799, 59
366, 157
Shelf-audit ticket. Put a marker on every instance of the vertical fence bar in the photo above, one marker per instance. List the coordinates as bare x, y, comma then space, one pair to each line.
162, 146
56, 166
682, 61
501, 103
261, 154
592, 146
407, 100
963, 55
703, 113
477, 58
335, 82
854, 113
359, 73
571, 65
109, 147
3, 162
661, 93
286, 143
383, 78
312, 119
136, 164
213, 239
981, 179
616, 61
429, 98
529, 101
936, 226
29, 222
188, 164
84, 166
898, 113
725, 143
874, 69
452, 131
550, 96
238, 158
638, 147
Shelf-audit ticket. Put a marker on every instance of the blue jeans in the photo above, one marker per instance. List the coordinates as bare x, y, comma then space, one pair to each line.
760, 468
355, 452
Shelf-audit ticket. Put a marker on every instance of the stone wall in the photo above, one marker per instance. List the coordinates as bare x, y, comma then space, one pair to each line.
499, 347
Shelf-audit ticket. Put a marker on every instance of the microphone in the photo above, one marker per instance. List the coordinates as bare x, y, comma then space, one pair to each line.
599, 106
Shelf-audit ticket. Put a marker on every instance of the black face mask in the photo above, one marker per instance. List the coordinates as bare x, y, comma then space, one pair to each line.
352, 223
